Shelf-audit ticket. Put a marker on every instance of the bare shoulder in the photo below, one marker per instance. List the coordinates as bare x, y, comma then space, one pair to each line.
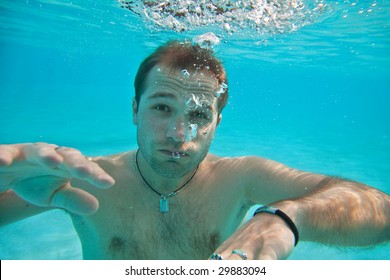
241, 168
265, 180
251, 164
255, 170
115, 161
239, 162
116, 165
113, 158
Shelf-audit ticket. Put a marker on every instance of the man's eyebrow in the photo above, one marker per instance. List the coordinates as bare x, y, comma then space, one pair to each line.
208, 106
204, 106
162, 95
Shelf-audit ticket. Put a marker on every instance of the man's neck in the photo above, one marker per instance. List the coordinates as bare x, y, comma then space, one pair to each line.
161, 184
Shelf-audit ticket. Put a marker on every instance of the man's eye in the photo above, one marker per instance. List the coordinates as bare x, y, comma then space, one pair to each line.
199, 115
162, 108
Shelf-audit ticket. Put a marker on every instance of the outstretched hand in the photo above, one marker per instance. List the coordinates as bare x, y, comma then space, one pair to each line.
264, 237
41, 173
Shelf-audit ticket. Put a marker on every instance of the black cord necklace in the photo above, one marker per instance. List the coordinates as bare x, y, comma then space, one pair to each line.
164, 202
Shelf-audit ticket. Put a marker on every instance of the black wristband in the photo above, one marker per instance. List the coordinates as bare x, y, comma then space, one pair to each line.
281, 214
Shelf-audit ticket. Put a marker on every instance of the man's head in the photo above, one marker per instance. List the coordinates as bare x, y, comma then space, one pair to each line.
180, 92
186, 57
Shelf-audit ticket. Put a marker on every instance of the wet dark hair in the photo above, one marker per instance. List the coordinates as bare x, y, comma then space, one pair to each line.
182, 55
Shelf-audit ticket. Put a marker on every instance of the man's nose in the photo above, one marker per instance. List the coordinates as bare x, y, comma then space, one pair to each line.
176, 129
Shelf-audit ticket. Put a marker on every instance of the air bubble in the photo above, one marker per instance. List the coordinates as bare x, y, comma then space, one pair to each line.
193, 102
221, 90
191, 132
185, 73
207, 41
176, 155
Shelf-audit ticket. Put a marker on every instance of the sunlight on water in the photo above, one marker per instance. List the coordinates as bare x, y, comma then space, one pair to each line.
303, 32
261, 16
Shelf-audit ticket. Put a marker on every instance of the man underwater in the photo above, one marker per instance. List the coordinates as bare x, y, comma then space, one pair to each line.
171, 198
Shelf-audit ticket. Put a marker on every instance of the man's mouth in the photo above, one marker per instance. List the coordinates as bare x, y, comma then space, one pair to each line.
174, 153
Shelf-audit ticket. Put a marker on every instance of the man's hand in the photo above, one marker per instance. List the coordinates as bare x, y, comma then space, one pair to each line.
41, 173
264, 237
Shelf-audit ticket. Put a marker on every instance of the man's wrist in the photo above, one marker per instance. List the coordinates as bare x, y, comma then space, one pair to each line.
283, 216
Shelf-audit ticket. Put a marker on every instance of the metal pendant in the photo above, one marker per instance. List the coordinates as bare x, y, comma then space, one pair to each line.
164, 205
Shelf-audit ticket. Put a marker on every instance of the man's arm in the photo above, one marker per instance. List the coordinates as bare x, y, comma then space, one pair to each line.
341, 212
324, 209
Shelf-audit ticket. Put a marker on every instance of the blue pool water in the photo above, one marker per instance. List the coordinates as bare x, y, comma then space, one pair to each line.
316, 98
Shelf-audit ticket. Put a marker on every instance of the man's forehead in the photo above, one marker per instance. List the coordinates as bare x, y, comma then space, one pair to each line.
187, 78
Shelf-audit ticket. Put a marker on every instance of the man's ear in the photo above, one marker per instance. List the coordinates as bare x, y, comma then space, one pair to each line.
219, 119
135, 111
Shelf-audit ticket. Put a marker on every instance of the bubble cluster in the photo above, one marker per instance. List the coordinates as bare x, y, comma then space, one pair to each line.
221, 90
191, 132
177, 155
262, 16
193, 102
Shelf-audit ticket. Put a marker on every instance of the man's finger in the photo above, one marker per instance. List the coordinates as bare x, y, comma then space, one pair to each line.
75, 200
43, 154
82, 168
8, 153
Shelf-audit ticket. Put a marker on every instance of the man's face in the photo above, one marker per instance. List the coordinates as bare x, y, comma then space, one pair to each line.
176, 119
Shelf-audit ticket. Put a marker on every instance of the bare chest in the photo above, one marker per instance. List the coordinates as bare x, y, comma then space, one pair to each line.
177, 234
134, 228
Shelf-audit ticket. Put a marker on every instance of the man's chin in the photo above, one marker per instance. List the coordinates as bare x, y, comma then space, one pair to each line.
172, 169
